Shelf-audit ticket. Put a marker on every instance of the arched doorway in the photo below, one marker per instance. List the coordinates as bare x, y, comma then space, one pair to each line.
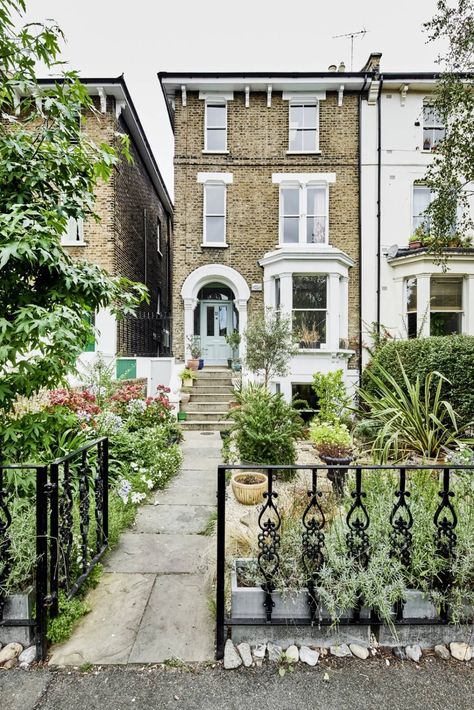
215, 300
215, 317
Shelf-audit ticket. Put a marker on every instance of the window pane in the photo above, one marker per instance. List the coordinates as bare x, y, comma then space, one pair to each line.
277, 293
216, 139
445, 324
291, 230
216, 116
197, 320
309, 291
309, 327
431, 117
446, 294
296, 116
309, 113
316, 201
411, 295
309, 140
215, 230
210, 320
291, 201
222, 320
315, 230
215, 200
296, 140
412, 325
421, 201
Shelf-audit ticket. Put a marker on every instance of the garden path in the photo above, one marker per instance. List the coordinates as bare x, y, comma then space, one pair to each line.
152, 600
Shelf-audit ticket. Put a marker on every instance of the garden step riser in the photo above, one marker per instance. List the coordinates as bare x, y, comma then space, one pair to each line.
204, 416
212, 389
202, 377
221, 407
205, 426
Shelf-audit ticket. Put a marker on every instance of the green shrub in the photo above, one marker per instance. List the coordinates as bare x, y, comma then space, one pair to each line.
332, 395
331, 439
452, 356
265, 427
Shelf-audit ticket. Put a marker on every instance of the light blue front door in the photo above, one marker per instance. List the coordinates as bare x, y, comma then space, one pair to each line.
216, 323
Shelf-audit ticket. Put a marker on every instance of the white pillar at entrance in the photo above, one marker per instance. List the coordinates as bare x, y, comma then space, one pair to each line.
189, 306
332, 335
468, 295
241, 305
423, 305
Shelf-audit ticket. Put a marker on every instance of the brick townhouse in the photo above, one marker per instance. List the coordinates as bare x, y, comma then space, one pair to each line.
267, 212
134, 235
300, 192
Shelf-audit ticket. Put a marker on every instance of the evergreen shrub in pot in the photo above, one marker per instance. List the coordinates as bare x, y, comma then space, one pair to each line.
334, 445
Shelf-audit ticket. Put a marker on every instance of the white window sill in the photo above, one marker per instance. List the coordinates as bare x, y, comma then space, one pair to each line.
215, 246
73, 244
303, 152
302, 246
215, 152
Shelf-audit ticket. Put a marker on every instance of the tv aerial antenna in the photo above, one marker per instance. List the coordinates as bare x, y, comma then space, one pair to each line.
360, 35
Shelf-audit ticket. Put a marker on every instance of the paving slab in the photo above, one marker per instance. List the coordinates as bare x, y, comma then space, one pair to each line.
192, 493
158, 554
177, 622
20, 690
173, 519
107, 633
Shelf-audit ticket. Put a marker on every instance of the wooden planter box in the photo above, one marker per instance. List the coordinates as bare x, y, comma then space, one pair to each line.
18, 606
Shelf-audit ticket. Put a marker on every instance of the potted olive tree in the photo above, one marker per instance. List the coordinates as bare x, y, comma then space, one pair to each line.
233, 339
194, 344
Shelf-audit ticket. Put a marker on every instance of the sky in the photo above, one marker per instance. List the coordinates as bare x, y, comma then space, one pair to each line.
138, 38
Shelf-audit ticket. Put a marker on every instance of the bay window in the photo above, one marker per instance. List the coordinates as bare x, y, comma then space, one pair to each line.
309, 313
411, 307
445, 305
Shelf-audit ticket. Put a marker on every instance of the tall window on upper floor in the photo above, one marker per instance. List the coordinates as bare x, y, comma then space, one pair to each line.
422, 197
303, 214
446, 305
309, 314
216, 126
304, 126
214, 214
75, 232
411, 307
433, 127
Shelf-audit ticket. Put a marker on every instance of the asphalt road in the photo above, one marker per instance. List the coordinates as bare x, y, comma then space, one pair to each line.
358, 685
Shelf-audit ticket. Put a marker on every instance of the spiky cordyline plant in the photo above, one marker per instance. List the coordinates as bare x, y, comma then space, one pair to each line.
413, 419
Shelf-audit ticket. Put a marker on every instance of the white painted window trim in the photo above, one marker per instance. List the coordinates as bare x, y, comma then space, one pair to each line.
67, 241
305, 101
205, 243
210, 98
226, 178
303, 185
428, 103
413, 187
328, 311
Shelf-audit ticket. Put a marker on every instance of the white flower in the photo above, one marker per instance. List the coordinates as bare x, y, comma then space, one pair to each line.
137, 497
134, 466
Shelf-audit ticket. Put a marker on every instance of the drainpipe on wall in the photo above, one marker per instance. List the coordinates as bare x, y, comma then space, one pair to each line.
359, 140
379, 197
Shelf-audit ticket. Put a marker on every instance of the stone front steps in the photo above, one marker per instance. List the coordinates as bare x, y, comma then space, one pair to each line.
209, 400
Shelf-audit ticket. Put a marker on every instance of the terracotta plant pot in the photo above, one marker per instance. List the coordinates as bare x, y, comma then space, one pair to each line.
415, 245
193, 363
250, 493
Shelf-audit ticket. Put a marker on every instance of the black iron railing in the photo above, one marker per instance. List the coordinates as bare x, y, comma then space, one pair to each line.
357, 539
71, 499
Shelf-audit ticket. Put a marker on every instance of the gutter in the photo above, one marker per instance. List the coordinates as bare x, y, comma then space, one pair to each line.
379, 197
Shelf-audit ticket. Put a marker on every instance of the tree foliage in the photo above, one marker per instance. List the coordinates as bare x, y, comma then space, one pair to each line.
451, 173
49, 170
269, 345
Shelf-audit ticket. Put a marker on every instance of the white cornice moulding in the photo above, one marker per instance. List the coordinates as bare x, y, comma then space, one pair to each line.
303, 178
308, 95
209, 95
226, 178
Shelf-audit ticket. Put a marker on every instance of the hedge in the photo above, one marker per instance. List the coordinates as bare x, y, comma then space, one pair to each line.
452, 356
